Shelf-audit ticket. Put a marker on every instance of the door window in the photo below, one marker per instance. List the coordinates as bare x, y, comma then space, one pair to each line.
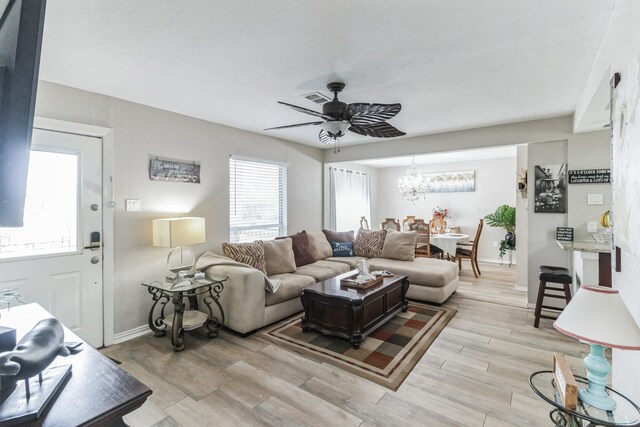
51, 209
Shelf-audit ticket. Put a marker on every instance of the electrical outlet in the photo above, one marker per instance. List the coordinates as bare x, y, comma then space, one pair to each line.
592, 227
132, 205
496, 243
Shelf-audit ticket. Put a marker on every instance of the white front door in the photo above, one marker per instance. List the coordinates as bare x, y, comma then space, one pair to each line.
55, 259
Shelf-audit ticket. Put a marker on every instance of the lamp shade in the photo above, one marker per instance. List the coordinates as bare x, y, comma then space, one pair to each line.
598, 315
173, 232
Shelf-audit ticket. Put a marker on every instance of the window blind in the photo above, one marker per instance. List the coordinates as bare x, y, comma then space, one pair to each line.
258, 200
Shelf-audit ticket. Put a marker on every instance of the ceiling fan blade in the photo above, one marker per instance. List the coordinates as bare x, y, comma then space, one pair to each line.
365, 114
324, 137
306, 111
295, 126
377, 130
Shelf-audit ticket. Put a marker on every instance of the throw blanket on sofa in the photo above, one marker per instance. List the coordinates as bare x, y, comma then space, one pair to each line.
209, 259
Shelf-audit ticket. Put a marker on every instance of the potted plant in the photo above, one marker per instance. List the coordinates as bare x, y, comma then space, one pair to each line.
505, 217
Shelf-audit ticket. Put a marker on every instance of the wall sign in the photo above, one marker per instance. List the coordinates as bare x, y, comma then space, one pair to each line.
590, 176
174, 171
564, 234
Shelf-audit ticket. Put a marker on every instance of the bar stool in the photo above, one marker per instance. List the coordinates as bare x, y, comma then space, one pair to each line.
547, 273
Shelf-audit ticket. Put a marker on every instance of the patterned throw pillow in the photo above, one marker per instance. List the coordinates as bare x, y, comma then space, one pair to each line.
369, 243
342, 248
247, 253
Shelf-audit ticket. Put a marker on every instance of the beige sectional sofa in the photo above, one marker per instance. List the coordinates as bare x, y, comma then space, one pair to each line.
248, 306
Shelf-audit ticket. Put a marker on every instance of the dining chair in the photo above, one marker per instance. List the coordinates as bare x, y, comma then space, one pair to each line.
408, 220
390, 224
470, 251
424, 248
364, 224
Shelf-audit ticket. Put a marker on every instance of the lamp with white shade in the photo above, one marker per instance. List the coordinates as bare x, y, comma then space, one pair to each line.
178, 233
598, 316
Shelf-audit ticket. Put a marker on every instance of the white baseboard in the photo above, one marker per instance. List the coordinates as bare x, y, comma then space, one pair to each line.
529, 305
131, 334
497, 261
521, 288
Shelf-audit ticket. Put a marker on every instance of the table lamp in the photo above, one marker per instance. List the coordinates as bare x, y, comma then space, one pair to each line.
598, 316
177, 233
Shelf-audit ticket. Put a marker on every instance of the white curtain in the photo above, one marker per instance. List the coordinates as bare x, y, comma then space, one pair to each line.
349, 198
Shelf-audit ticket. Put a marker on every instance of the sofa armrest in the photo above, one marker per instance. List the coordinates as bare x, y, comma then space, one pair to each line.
243, 296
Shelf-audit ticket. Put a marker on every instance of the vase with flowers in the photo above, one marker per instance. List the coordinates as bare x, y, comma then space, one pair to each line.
439, 219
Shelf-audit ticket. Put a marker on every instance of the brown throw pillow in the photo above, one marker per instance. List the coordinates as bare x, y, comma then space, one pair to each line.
279, 256
339, 236
247, 253
369, 243
301, 248
400, 245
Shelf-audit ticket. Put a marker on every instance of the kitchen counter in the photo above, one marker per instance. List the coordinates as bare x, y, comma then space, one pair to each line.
590, 262
585, 246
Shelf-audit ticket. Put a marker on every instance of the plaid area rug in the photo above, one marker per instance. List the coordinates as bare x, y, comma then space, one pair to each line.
385, 357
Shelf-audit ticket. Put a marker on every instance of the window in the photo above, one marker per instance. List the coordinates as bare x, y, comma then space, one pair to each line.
258, 200
51, 209
349, 198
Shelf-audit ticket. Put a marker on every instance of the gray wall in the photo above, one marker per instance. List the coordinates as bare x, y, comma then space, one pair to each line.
541, 227
522, 224
140, 131
591, 151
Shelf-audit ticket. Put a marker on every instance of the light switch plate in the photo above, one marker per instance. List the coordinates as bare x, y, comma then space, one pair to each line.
592, 227
132, 205
595, 199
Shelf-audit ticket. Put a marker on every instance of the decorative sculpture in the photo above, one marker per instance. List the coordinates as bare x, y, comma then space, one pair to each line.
35, 351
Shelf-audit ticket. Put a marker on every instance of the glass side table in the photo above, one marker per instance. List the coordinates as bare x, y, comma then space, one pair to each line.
182, 319
626, 413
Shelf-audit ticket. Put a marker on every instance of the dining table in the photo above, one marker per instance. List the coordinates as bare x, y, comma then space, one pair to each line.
449, 241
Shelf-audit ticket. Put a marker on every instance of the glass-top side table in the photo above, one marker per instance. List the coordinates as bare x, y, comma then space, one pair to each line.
626, 413
182, 319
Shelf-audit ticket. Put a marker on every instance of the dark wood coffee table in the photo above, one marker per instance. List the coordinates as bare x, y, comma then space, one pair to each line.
351, 313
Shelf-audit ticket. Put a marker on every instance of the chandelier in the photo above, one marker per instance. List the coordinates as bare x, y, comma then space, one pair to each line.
413, 185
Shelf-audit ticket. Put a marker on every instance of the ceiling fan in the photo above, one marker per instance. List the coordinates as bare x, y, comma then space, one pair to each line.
339, 117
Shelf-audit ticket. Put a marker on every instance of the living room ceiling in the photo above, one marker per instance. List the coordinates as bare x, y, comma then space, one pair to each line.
451, 64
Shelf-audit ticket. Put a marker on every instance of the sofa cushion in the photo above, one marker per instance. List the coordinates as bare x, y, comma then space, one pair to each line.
421, 271
351, 261
342, 249
290, 288
301, 248
400, 245
320, 246
322, 270
369, 243
339, 236
251, 254
279, 256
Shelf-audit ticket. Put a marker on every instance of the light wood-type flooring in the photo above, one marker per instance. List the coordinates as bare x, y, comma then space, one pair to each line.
474, 374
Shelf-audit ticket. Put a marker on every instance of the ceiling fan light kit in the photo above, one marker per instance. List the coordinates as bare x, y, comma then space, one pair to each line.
339, 117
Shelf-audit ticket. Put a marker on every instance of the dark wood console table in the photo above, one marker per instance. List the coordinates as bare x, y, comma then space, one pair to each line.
352, 313
98, 392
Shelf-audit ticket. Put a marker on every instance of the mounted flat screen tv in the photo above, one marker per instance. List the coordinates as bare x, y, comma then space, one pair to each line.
21, 27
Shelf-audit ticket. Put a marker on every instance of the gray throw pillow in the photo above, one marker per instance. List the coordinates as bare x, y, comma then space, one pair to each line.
320, 246
400, 245
279, 256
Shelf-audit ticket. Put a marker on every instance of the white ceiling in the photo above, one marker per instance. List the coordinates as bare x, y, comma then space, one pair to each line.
452, 64
439, 158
